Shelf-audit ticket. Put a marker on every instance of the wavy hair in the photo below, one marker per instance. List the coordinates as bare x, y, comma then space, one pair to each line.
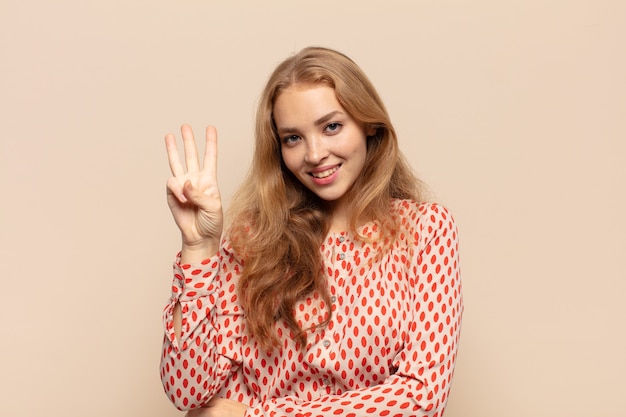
278, 225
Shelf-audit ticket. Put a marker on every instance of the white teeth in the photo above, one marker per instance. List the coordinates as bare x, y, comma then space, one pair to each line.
326, 173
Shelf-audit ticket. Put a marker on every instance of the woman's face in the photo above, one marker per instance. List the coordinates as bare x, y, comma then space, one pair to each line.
321, 144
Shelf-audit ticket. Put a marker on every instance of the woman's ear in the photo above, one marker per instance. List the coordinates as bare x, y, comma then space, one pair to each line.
370, 130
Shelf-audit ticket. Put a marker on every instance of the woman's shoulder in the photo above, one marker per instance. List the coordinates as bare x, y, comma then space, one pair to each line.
415, 209
423, 220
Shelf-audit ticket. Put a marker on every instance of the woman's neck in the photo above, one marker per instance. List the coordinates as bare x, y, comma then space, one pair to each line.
339, 220
339, 224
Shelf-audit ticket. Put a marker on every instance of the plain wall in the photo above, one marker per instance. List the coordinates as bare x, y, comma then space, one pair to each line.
512, 111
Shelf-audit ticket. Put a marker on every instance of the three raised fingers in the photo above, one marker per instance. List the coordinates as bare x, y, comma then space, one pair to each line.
192, 162
191, 152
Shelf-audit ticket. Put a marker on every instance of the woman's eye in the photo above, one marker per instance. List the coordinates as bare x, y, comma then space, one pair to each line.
333, 127
290, 139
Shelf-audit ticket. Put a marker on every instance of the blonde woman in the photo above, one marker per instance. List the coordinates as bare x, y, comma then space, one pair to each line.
336, 288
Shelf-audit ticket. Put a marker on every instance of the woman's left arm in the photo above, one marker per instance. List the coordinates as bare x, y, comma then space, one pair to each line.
428, 360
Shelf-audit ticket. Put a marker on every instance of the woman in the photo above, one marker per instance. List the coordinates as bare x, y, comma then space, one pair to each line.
336, 290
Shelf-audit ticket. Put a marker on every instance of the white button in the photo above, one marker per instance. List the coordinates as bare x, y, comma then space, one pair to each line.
333, 298
326, 381
326, 343
342, 256
341, 239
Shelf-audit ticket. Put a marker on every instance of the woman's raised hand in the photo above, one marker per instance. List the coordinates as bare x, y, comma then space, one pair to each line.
193, 195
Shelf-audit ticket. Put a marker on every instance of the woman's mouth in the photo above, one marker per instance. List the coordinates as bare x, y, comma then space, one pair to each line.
326, 173
325, 176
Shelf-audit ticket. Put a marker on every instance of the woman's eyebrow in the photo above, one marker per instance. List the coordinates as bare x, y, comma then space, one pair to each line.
283, 130
318, 122
326, 118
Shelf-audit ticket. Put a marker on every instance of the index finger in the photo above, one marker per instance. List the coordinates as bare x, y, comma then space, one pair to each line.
172, 155
210, 152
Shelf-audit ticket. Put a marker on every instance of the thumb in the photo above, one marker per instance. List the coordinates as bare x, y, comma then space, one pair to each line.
195, 196
191, 193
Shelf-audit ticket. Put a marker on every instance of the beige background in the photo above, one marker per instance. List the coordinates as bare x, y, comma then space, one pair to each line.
513, 112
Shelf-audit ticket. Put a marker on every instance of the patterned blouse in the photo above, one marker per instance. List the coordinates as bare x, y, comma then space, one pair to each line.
388, 350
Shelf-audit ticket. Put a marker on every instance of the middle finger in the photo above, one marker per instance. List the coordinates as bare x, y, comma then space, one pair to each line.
191, 152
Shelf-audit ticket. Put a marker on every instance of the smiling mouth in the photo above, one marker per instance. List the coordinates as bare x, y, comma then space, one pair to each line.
326, 173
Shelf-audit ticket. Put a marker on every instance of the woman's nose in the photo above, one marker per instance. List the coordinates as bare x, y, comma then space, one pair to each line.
316, 151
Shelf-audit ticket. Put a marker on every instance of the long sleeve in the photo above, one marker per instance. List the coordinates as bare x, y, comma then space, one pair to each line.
198, 366
426, 318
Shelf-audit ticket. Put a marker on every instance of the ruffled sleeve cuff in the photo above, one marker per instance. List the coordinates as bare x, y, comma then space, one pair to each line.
195, 280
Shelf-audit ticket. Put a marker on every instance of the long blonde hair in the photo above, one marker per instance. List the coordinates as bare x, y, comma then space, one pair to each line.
278, 225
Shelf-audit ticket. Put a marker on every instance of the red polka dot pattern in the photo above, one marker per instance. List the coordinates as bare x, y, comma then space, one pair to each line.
389, 349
